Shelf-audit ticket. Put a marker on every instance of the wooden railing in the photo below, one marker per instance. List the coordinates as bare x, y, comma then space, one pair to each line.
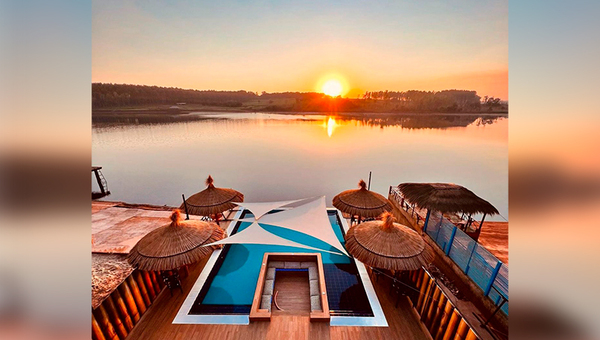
409, 208
116, 316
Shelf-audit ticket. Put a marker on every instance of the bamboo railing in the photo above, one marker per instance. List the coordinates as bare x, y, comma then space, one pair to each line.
438, 314
116, 316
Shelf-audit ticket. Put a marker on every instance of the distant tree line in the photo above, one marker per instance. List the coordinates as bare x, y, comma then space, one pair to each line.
120, 95
123, 95
443, 101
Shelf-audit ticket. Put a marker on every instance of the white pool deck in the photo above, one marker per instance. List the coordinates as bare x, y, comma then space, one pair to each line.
183, 317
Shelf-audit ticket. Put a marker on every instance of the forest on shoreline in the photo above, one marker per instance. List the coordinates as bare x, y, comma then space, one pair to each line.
155, 99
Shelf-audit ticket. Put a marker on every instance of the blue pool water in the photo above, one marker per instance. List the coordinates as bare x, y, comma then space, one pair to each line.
230, 286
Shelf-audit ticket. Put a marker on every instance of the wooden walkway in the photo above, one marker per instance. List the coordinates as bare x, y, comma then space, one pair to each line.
156, 323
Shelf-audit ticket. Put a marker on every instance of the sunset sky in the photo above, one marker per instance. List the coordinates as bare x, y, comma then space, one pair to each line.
278, 46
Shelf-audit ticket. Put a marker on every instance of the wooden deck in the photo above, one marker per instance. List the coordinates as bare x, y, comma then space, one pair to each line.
156, 323
117, 227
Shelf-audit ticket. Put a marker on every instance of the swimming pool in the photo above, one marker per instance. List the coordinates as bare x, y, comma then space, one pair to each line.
224, 291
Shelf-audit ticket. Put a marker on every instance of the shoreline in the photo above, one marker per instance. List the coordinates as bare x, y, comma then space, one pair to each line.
199, 114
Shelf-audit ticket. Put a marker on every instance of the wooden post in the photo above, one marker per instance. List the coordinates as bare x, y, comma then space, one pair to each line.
452, 324
96, 331
157, 287
427, 297
149, 286
114, 315
462, 330
448, 311
122, 309
105, 323
140, 282
137, 296
471, 335
432, 307
369, 186
479, 229
133, 310
439, 314
422, 291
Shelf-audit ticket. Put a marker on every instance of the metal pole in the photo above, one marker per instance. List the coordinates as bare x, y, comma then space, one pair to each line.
470, 257
426, 220
450, 241
495, 311
492, 278
187, 216
369, 186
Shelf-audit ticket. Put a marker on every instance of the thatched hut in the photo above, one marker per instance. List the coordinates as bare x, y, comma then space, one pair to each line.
211, 201
388, 245
362, 202
174, 245
447, 198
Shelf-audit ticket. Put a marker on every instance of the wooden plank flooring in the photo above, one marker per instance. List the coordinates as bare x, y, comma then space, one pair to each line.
293, 293
156, 323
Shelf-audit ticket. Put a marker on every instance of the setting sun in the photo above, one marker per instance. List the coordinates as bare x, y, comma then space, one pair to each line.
332, 88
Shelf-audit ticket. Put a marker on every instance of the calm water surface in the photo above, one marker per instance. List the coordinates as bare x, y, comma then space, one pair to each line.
271, 157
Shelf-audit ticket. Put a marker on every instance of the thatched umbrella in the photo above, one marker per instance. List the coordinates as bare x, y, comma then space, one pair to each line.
388, 245
212, 200
361, 202
174, 245
447, 198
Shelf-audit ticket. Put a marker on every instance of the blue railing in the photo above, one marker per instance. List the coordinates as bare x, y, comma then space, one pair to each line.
489, 273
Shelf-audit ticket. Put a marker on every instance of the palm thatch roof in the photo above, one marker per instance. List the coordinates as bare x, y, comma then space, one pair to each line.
388, 245
174, 245
362, 202
211, 200
108, 271
446, 197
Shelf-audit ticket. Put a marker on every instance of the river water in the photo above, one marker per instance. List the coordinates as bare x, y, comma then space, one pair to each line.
271, 157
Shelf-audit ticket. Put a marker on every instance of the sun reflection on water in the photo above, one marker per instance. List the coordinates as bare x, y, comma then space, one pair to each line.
331, 125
